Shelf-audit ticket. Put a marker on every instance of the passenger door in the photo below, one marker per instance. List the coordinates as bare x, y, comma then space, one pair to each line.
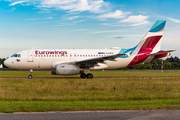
30, 56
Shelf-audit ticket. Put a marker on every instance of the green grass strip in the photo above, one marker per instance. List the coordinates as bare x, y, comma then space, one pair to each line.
44, 106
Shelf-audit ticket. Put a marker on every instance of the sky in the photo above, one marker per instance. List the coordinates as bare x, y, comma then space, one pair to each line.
85, 24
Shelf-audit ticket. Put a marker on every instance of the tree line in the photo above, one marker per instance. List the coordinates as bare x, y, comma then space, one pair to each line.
2, 62
172, 63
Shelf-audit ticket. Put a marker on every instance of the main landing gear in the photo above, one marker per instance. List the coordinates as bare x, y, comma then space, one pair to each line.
30, 76
88, 76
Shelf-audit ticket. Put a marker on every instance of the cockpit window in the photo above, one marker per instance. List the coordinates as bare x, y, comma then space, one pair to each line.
16, 55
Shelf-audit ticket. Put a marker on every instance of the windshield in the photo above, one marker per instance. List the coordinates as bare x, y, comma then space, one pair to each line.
16, 55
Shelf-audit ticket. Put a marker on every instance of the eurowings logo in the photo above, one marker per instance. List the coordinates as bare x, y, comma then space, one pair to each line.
37, 52
18, 60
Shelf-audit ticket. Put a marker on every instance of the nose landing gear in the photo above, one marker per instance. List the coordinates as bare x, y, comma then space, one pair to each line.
30, 76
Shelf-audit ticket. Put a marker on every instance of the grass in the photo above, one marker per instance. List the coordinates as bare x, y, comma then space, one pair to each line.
38, 95
88, 90
95, 73
44, 106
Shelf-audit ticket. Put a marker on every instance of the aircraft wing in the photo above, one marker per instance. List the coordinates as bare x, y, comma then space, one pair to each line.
87, 63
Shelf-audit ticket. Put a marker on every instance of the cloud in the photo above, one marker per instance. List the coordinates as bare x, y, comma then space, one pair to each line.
136, 20
81, 30
94, 6
105, 24
108, 31
48, 18
116, 14
119, 37
140, 23
174, 20
72, 17
18, 2
79, 21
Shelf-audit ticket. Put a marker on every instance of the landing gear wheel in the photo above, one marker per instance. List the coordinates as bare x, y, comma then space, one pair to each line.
83, 75
89, 76
30, 77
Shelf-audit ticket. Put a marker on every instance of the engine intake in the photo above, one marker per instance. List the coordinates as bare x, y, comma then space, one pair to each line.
65, 69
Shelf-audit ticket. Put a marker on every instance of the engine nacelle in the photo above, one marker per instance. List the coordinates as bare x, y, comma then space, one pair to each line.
65, 69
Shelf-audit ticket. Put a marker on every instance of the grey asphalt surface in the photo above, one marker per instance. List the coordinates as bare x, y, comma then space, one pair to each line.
96, 115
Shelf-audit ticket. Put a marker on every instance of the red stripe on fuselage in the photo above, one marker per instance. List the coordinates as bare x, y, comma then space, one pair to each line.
145, 50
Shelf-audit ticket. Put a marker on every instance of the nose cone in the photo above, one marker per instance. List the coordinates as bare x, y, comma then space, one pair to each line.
7, 63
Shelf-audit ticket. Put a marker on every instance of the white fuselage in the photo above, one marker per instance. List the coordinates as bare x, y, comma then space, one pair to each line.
47, 58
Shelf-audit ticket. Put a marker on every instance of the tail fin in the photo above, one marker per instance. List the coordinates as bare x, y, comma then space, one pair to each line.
151, 42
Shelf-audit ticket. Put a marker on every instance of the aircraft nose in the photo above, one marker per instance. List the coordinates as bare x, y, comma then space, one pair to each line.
7, 62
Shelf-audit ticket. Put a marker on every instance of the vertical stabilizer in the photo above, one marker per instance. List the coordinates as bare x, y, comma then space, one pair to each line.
150, 44
152, 40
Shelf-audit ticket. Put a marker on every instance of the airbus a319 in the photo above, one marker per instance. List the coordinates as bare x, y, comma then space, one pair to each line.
79, 61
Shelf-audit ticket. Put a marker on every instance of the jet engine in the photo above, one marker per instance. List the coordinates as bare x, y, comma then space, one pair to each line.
65, 69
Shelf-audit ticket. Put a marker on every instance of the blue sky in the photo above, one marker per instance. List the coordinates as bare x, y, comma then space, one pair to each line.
85, 23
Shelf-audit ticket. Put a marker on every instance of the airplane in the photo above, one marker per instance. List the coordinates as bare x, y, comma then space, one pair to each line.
79, 61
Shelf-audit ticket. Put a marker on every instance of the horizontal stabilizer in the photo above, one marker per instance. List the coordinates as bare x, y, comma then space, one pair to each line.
160, 53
